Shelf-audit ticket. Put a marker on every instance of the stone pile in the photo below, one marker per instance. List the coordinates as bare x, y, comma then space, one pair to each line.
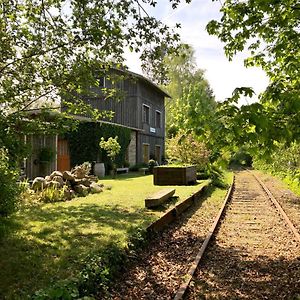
74, 182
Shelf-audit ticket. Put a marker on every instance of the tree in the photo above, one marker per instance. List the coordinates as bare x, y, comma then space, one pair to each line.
185, 148
9, 189
192, 103
269, 30
54, 49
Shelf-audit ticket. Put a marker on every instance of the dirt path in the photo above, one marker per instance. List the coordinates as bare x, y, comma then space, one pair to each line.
254, 255
157, 272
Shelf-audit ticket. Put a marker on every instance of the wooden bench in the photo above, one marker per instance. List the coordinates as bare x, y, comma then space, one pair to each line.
122, 170
159, 198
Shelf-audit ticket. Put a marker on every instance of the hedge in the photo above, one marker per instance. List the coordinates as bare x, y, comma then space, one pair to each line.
84, 143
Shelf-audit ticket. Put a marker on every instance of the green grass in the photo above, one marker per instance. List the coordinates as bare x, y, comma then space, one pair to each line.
48, 242
292, 184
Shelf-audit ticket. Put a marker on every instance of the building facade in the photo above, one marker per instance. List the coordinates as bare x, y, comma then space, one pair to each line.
142, 110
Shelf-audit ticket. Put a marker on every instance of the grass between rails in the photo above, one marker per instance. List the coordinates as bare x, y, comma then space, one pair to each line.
47, 243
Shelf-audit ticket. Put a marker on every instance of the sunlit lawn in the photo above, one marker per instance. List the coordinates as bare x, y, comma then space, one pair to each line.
47, 242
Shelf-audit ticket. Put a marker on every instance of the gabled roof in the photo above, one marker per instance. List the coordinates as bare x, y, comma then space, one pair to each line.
144, 79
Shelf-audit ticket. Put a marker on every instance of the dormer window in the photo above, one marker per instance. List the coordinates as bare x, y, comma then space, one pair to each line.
146, 114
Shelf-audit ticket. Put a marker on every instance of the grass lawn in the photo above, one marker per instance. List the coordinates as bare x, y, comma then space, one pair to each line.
48, 242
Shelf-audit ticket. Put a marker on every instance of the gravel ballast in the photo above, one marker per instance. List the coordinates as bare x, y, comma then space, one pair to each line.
158, 271
254, 254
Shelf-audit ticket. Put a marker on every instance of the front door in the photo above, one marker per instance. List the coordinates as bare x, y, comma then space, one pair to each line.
63, 156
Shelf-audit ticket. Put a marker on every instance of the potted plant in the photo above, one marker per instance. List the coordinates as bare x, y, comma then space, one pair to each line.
112, 147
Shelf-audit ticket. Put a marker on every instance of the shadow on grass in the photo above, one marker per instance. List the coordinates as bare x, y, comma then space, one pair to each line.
124, 177
47, 244
166, 244
225, 273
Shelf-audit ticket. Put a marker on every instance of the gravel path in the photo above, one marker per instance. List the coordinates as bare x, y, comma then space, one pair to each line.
254, 255
157, 272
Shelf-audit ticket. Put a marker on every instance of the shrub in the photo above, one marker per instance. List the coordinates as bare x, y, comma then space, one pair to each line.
51, 194
186, 149
151, 164
9, 189
241, 158
113, 148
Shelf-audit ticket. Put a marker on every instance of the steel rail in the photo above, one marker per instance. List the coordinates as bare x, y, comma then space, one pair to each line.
278, 206
184, 286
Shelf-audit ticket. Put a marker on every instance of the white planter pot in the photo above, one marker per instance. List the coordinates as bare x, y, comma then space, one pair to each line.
99, 169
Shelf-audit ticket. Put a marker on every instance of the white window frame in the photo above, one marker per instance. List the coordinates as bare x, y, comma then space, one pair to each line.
143, 113
160, 118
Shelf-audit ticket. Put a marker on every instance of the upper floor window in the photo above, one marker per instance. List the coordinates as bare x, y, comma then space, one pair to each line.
157, 119
146, 114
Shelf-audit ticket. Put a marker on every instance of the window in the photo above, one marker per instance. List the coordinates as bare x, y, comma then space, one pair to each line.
146, 153
158, 119
146, 114
102, 82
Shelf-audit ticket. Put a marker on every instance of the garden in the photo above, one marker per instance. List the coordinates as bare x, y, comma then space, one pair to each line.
68, 239
49, 242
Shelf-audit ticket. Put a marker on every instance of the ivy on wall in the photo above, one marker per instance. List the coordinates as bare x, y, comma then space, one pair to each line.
84, 143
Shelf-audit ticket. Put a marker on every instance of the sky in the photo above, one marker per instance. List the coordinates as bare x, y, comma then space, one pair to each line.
222, 75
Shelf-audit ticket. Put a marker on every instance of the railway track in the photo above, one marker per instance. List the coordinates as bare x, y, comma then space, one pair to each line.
255, 249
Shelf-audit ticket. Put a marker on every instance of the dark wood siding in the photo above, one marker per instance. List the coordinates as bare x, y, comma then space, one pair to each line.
36, 142
152, 141
155, 100
125, 110
129, 112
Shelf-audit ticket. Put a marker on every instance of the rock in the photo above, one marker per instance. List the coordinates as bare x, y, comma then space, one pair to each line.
58, 179
92, 178
69, 183
73, 193
69, 194
67, 175
108, 187
48, 178
79, 172
83, 181
95, 188
54, 184
38, 184
56, 173
81, 190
